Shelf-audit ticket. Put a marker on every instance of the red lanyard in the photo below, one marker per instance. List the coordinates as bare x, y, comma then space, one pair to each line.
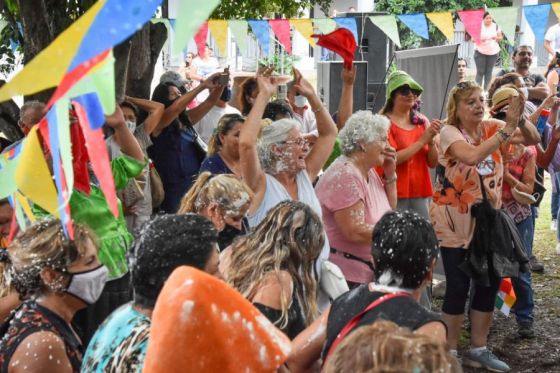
356, 319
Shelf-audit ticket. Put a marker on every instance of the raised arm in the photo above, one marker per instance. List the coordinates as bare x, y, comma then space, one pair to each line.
179, 105
346, 104
253, 174
327, 129
155, 112
123, 137
472, 155
197, 113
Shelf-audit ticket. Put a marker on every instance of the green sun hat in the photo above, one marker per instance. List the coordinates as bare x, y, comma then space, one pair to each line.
399, 78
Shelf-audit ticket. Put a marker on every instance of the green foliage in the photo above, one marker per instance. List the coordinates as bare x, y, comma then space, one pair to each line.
257, 9
282, 63
409, 40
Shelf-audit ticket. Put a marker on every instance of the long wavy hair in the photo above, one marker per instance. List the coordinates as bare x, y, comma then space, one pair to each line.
290, 238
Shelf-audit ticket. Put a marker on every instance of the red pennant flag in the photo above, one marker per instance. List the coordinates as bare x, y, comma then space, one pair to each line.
97, 151
281, 28
72, 77
342, 42
80, 159
472, 19
201, 37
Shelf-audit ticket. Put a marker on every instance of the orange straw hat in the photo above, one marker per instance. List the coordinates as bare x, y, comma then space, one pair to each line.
201, 324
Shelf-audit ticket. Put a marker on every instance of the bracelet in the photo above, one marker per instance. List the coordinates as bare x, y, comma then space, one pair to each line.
390, 180
502, 135
318, 110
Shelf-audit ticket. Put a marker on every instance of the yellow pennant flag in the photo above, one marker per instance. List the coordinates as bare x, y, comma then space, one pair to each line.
49, 66
305, 28
33, 177
444, 22
26, 207
556, 8
219, 30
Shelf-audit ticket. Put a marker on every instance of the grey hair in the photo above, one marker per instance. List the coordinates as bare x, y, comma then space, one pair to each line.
273, 134
363, 127
33, 104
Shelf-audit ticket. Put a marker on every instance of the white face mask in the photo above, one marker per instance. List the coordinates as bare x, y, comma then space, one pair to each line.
300, 101
88, 285
131, 125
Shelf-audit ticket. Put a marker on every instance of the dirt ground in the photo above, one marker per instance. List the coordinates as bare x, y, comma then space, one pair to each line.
541, 354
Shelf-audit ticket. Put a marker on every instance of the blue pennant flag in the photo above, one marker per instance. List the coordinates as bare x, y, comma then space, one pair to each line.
348, 23
537, 17
261, 29
416, 23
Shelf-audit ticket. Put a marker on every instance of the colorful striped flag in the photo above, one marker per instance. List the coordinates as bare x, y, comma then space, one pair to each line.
506, 296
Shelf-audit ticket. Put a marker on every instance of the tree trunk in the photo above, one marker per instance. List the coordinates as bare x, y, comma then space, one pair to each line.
145, 49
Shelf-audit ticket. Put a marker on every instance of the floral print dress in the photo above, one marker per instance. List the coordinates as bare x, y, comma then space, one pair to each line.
458, 186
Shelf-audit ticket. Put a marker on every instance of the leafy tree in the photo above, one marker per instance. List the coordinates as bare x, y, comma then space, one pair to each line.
256, 9
408, 38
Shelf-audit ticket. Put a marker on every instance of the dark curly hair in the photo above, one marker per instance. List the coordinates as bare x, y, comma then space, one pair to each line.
165, 243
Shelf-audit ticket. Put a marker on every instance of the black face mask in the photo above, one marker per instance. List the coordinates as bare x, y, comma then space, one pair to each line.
226, 94
229, 233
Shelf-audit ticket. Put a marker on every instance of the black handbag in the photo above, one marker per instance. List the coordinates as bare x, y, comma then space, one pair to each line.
496, 249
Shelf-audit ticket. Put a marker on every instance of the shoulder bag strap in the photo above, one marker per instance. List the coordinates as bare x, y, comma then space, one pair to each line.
356, 319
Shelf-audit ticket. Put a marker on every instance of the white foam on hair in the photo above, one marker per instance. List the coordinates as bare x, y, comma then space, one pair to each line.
275, 133
363, 127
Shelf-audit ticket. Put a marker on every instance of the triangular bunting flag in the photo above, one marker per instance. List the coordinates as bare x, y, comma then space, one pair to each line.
116, 21
388, 24
261, 29
239, 30
444, 22
190, 15
281, 28
324, 25
201, 37
99, 158
219, 31
472, 20
49, 66
33, 177
506, 19
305, 28
350, 24
9, 162
416, 23
537, 18
556, 8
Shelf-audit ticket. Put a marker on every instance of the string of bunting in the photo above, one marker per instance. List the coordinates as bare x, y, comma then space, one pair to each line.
505, 18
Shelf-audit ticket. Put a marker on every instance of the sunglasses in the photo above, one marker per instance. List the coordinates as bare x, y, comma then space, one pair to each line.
406, 90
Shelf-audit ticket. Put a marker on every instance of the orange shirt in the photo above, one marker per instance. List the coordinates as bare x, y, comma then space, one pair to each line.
413, 176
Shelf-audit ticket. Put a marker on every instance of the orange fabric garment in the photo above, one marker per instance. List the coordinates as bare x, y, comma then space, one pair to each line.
201, 324
460, 189
413, 176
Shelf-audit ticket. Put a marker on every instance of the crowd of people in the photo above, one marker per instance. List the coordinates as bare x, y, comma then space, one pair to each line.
271, 235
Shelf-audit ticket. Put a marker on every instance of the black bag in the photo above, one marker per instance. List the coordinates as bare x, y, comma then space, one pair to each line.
496, 249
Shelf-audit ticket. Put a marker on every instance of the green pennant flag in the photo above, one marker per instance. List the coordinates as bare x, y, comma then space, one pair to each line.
100, 80
506, 19
3, 24
191, 15
388, 24
324, 25
63, 122
239, 30
8, 175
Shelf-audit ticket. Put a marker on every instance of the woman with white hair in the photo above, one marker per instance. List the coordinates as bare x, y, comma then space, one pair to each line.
279, 165
353, 197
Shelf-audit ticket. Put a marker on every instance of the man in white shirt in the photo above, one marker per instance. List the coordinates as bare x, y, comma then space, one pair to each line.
552, 39
303, 114
205, 127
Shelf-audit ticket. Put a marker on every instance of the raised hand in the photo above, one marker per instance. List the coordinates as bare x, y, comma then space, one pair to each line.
302, 86
515, 110
348, 75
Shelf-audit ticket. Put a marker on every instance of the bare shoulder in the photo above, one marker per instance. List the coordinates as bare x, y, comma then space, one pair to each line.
272, 287
41, 352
